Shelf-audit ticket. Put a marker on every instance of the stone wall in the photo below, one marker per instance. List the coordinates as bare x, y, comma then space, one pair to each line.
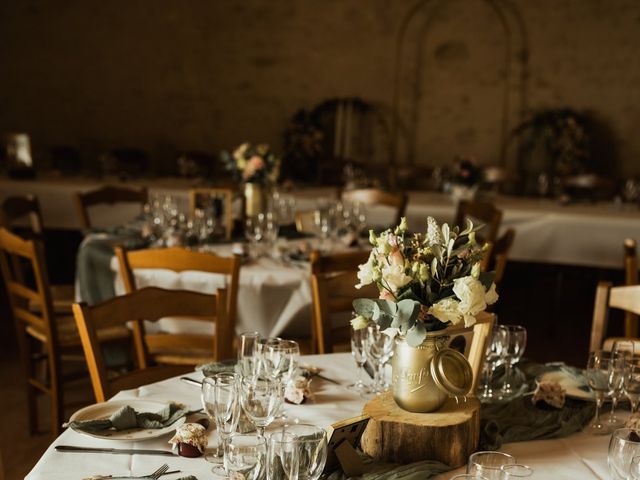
167, 76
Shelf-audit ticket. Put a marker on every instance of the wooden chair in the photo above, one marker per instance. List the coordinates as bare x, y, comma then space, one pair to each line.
498, 255
179, 260
12, 211
198, 195
333, 280
150, 304
630, 278
106, 195
56, 336
484, 212
626, 298
374, 196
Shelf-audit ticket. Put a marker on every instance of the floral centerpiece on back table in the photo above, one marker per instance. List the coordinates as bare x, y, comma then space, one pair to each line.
427, 282
255, 166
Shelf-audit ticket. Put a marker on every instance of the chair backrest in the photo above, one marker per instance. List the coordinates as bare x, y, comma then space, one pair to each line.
626, 298
202, 197
106, 195
179, 260
498, 255
16, 207
13, 251
485, 212
150, 304
375, 196
630, 278
333, 280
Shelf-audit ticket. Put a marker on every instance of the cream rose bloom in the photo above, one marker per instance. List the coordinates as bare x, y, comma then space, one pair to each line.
359, 322
447, 310
491, 296
471, 293
366, 273
394, 277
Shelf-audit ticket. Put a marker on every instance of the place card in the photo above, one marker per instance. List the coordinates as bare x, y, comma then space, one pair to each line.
343, 440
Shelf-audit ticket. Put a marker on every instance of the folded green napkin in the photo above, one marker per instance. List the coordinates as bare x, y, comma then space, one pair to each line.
126, 418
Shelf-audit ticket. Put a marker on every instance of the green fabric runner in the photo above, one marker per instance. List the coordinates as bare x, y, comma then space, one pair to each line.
126, 417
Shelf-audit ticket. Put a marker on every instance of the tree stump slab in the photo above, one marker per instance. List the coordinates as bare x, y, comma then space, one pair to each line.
448, 435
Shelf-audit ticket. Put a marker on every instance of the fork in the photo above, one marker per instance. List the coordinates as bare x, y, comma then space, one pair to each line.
152, 476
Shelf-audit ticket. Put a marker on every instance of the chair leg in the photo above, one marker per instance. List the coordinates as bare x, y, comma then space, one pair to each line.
57, 395
27, 358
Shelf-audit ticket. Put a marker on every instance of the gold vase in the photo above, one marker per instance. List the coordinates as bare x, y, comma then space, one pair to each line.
423, 377
255, 198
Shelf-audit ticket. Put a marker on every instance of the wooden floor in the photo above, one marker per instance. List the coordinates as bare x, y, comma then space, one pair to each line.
554, 304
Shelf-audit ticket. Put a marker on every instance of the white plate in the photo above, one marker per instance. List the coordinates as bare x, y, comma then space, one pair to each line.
105, 410
570, 385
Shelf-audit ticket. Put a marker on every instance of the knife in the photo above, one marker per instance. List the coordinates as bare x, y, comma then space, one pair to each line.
123, 451
191, 381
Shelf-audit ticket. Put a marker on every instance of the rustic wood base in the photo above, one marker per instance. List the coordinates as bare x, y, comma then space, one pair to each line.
448, 435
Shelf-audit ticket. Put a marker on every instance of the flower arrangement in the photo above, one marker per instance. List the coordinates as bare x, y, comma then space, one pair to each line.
252, 163
466, 172
426, 281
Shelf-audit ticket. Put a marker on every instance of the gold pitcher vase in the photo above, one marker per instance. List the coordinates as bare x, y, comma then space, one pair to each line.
255, 198
423, 377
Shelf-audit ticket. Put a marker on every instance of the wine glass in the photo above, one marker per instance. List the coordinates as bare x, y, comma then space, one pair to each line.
223, 387
623, 351
634, 468
379, 348
516, 343
514, 471
312, 449
622, 449
245, 456
282, 456
598, 379
358, 351
631, 384
494, 356
261, 398
247, 356
281, 359
488, 464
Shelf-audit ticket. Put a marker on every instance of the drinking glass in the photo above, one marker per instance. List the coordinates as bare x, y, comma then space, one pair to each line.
281, 360
247, 356
622, 351
468, 476
631, 383
312, 449
282, 456
379, 349
226, 406
515, 470
516, 343
634, 468
622, 450
261, 399
598, 379
494, 356
358, 350
488, 464
208, 398
245, 455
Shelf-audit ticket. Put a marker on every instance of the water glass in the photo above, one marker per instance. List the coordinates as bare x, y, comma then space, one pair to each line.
468, 476
245, 455
247, 356
281, 360
514, 471
207, 396
312, 449
379, 349
489, 464
516, 343
282, 456
631, 384
222, 389
621, 352
358, 351
634, 468
622, 450
261, 399
494, 356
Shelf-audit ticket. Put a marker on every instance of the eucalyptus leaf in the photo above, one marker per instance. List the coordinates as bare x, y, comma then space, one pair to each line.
387, 306
407, 310
364, 307
416, 334
434, 268
384, 321
445, 233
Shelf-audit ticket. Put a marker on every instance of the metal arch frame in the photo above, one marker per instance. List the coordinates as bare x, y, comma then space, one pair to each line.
506, 13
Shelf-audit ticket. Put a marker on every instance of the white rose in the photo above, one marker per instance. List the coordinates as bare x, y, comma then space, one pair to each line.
471, 293
359, 322
394, 277
447, 310
491, 296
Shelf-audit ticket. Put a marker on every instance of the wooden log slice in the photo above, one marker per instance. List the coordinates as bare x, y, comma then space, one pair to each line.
449, 435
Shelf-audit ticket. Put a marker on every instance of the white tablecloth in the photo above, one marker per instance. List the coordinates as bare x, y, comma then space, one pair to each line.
547, 232
579, 456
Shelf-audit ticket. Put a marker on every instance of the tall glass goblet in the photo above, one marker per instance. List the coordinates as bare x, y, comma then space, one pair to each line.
282, 456
494, 356
247, 356
517, 341
488, 464
379, 351
631, 383
281, 359
312, 449
261, 399
623, 350
358, 350
598, 379
207, 396
245, 455
226, 407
